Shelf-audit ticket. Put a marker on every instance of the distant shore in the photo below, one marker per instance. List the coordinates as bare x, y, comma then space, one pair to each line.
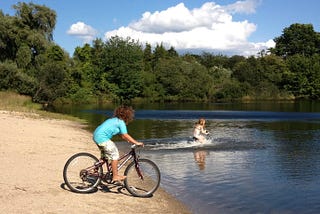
33, 152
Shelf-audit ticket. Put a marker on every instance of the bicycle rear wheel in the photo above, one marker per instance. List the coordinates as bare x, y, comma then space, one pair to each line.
142, 180
80, 174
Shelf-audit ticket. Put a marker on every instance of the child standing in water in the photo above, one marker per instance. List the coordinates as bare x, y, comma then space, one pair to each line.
199, 131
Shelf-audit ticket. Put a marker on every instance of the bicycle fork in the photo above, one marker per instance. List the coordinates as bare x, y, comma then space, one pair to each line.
136, 162
137, 166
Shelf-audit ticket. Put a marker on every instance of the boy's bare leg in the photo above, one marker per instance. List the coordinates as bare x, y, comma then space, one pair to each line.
116, 177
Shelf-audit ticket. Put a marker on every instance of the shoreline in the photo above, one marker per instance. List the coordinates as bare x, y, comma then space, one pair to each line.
33, 153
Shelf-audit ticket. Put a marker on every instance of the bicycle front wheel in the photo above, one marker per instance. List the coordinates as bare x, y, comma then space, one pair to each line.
142, 179
80, 174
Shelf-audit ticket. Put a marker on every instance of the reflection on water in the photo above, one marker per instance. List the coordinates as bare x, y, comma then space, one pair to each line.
265, 161
200, 158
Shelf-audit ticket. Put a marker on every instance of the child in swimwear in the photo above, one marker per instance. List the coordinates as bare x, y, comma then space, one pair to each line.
199, 131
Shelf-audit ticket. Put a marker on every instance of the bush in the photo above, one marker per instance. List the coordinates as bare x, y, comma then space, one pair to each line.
12, 78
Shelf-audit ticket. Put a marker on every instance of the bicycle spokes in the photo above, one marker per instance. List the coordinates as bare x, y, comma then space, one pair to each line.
81, 174
143, 178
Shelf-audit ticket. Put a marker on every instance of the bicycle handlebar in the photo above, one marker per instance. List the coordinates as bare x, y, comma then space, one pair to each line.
135, 145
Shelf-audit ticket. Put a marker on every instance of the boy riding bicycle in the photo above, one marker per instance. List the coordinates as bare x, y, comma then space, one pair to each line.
113, 126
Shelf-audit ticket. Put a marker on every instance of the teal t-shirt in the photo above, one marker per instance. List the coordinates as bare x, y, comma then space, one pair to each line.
108, 129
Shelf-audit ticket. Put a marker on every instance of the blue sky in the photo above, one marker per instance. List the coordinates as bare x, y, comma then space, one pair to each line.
241, 27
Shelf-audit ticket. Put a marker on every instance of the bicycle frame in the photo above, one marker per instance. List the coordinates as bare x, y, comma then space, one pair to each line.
125, 158
122, 161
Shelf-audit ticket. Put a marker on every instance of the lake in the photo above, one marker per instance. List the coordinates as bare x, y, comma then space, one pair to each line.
259, 157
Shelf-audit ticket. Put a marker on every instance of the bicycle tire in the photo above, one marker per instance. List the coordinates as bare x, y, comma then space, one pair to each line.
151, 178
77, 178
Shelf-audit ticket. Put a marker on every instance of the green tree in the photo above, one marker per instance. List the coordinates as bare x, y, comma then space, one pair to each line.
53, 82
53, 74
234, 60
147, 57
159, 53
39, 18
24, 39
168, 75
221, 78
31, 26
182, 80
209, 60
8, 31
124, 66
83, 73
233, 90
303, 78
13, 78
297, 39
249, 71
198, 83
24, 56
172, 52
151, 89
264, 75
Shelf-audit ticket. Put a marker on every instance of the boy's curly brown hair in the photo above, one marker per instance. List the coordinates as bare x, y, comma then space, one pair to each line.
125, 113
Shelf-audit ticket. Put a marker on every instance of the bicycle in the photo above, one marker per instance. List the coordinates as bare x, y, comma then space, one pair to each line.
83, 172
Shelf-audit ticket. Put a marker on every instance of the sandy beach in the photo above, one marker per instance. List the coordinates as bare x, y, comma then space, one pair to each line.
33, 153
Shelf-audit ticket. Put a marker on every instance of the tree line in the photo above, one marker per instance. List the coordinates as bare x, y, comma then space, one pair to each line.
122, 69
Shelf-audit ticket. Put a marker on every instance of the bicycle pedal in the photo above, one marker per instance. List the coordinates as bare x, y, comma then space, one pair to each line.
117, 183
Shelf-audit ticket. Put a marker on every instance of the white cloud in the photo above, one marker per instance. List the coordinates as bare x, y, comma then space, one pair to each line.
208, 28
83, 31
246, 7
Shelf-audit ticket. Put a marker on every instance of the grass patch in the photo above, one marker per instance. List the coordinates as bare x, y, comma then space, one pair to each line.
11, 101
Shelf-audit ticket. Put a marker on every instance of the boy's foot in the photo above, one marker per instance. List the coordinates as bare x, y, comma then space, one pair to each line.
118, 178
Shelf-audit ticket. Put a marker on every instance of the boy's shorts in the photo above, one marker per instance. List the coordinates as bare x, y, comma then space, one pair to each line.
109, 150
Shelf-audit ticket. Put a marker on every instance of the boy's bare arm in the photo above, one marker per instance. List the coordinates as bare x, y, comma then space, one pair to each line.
130, 139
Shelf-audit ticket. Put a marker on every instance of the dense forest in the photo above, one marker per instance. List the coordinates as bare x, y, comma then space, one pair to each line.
122, 69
